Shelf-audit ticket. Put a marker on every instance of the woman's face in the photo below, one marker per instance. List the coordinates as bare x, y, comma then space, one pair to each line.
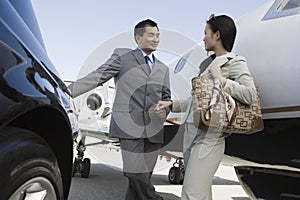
210, 38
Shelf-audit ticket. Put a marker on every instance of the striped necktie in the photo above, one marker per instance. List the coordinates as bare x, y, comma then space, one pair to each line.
149, 62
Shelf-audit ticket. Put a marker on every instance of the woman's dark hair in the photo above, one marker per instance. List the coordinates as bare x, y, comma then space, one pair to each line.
139, 29
226, 26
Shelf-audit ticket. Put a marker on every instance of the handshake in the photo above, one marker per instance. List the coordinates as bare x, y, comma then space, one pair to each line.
160, 108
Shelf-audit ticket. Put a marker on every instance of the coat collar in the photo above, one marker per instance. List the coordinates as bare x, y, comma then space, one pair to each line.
213, 60
221, 60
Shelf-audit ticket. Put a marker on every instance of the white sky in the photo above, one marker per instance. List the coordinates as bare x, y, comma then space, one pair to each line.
73, 29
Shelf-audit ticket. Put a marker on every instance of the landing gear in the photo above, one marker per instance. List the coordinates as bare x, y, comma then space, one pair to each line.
176, 172
81, 165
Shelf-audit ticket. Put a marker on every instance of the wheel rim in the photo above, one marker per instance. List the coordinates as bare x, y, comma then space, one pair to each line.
172, 175
38, 188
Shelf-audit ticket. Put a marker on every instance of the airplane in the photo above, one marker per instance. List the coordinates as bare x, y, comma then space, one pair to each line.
267, 163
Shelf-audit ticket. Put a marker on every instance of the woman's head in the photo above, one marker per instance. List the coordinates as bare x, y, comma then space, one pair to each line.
219, 28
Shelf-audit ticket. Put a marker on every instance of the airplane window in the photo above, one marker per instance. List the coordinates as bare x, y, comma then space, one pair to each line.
283, 8
286, 5
181, 62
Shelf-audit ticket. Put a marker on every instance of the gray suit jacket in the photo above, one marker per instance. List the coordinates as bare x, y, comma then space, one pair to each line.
137, 93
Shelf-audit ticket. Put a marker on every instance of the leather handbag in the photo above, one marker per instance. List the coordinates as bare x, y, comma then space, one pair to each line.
213, 107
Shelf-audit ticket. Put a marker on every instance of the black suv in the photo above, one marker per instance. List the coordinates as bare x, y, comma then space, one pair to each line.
37, 119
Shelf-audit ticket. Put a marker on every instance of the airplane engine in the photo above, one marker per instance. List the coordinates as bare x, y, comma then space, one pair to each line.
94, 101
94, 109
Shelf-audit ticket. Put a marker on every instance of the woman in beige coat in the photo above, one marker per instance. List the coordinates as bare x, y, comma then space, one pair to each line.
204, 148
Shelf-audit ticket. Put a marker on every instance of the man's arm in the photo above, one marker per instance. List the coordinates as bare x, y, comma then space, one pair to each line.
99, 76
163, 111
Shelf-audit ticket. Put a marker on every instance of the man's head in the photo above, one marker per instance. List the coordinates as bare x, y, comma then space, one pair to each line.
146, 35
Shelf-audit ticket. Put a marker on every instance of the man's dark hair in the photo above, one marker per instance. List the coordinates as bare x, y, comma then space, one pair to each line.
139, 29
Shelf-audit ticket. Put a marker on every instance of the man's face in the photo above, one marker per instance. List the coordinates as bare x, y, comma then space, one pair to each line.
148, 42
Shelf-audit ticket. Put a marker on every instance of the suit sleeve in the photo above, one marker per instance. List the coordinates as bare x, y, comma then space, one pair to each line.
166, 92
96, 78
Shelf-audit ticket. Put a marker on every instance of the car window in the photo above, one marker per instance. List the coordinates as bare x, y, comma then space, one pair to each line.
9, 57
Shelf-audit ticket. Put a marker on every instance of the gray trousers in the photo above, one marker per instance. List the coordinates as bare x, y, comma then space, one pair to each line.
139, 159
203, 152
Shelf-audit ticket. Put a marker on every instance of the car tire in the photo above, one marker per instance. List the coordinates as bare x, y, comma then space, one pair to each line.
28, 167
175, 175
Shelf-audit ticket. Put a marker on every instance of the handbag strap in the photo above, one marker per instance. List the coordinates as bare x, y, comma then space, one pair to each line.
229, 102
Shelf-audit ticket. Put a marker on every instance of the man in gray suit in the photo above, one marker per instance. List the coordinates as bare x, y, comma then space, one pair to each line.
140, 83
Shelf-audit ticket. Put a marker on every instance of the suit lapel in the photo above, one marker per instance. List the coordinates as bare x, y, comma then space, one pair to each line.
140, 60
155, 67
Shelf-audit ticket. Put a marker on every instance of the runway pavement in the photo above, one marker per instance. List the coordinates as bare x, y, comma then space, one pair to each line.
106, 181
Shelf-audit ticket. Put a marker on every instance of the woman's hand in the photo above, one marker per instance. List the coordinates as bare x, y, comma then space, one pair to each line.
216, 73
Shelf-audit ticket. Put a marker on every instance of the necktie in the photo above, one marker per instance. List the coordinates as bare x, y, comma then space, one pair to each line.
148, 61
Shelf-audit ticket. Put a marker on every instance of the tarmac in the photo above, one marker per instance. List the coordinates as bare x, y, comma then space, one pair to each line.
106, 180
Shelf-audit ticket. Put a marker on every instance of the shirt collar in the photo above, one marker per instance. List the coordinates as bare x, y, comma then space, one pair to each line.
151, 55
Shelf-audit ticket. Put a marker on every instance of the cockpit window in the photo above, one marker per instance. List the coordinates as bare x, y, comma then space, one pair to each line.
286, 5
283, 8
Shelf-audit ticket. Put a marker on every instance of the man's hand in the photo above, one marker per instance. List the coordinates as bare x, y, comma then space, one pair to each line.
161, 113
160, 108
163, 104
